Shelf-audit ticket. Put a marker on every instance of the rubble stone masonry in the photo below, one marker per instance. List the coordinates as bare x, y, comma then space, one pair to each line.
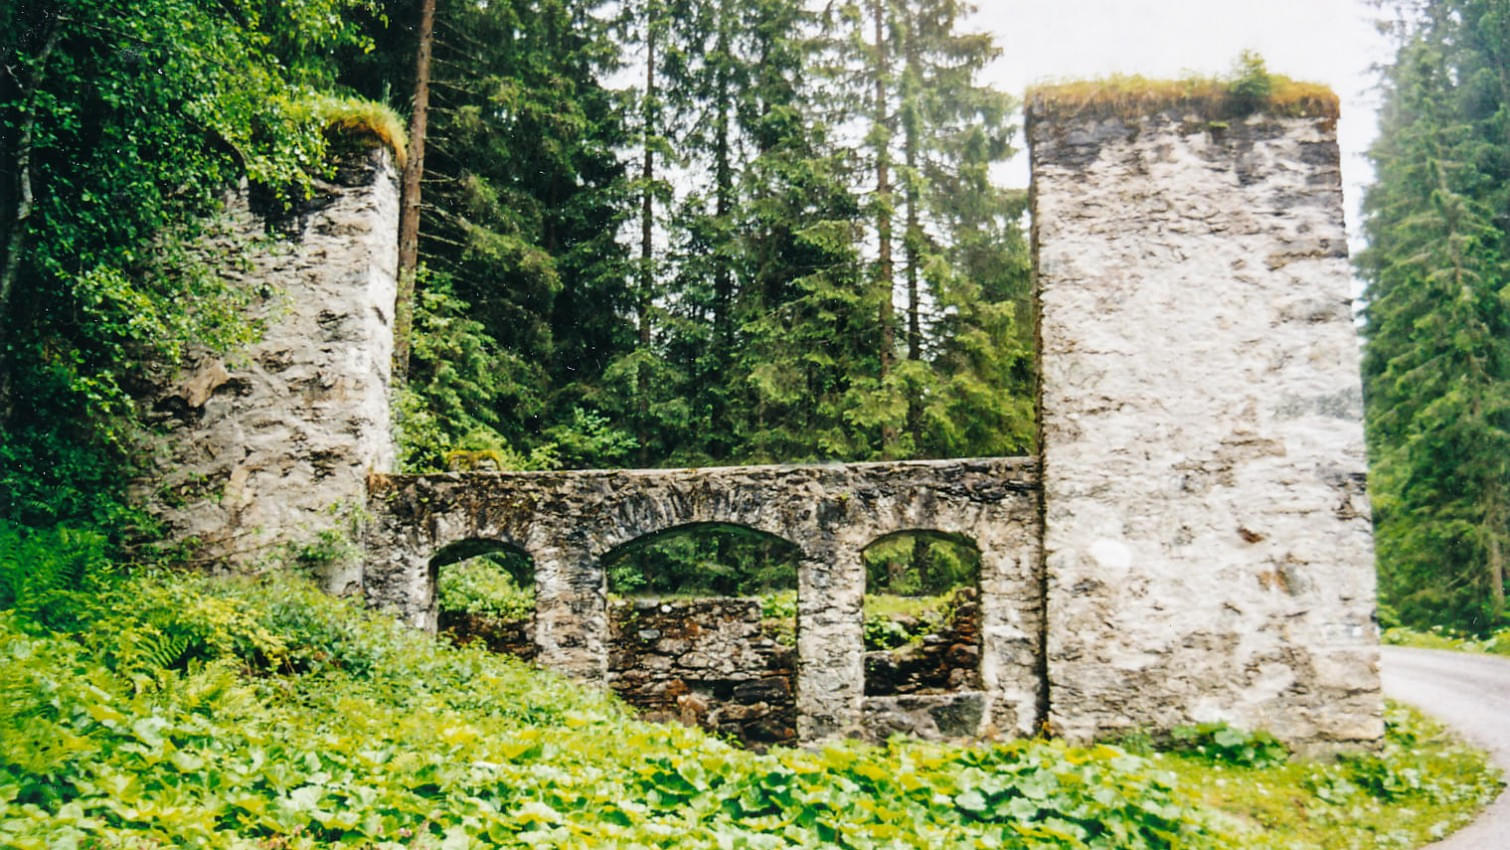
1207, 541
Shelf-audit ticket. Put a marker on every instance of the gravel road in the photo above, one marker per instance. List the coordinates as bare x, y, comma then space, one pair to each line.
1470, 693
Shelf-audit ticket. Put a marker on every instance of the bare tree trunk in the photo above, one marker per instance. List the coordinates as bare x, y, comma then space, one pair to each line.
414, 169
10, 268
885, 271
647, 250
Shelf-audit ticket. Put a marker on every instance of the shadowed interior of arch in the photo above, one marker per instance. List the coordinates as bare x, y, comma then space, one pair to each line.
922, 613
485, 591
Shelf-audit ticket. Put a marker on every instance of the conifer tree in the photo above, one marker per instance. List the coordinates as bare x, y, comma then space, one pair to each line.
525, 194
1437, 330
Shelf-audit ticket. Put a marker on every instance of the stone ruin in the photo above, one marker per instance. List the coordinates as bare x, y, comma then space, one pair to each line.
570, 523
1192, 543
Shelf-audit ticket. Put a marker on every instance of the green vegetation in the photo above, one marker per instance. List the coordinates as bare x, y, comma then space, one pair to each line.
597, 315
351, 117
1439, 637
1248, 89
122, 124
704, 560
892, 621
1437, 318
484, 587
1222, 744
158, 709
1422, 785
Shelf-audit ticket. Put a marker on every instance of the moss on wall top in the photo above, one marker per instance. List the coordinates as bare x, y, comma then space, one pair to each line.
363, 119
1251, 89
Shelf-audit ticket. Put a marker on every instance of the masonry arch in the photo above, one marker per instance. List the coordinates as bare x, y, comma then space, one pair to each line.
703, 629
922, 610
484, 591
723, 559
571, 521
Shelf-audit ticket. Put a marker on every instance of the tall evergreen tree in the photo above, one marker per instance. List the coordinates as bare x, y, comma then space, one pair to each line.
966, 263
1437, 330
525, 195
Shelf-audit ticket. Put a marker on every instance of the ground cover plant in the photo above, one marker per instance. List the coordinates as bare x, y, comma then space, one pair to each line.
159, 709
1423, 784
1446, 637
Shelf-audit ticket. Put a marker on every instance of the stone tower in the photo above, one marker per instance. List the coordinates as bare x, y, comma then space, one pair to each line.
1208, 549
266, 451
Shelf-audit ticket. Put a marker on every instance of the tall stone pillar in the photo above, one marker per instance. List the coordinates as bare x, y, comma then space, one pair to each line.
1208, 550
267, 449
1011, 630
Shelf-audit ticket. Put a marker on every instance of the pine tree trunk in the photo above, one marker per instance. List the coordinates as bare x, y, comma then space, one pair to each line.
647, 250
885, 273
723, 275
414, 169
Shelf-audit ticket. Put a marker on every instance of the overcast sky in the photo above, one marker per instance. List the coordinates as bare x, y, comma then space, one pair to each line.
1329, 41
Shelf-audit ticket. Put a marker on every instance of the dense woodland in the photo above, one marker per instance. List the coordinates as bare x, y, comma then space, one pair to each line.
669, 232
1437, 316
777, 240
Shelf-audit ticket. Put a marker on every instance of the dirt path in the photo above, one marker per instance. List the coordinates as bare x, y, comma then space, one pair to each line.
1470, 693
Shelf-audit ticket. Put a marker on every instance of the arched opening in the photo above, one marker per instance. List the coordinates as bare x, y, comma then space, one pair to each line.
705, 559
922, 614
703, 629
485, 592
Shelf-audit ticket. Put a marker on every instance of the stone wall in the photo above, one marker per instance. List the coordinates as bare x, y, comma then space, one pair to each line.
569, 523
718, 663
1206, 534
272, 444
505, 637
705, 662
946, 660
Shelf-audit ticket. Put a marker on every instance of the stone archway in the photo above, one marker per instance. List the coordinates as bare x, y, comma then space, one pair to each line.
568, 521
484, 590
702, 629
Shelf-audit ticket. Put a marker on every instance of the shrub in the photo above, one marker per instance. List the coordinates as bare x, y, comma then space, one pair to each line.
48, 575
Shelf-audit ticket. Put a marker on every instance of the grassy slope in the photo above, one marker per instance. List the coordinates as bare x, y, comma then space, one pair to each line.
266, 715
1425, 783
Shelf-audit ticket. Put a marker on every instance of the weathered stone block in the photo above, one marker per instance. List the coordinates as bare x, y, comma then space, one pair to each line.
1207, 543
272, 445
932, 717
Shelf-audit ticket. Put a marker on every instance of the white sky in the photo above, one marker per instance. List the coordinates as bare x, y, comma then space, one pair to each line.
1328, 41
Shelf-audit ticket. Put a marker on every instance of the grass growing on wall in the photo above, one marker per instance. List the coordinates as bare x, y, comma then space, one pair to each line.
1250, 88
357, 117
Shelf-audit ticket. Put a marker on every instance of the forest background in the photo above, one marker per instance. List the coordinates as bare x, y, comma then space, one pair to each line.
664, 232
